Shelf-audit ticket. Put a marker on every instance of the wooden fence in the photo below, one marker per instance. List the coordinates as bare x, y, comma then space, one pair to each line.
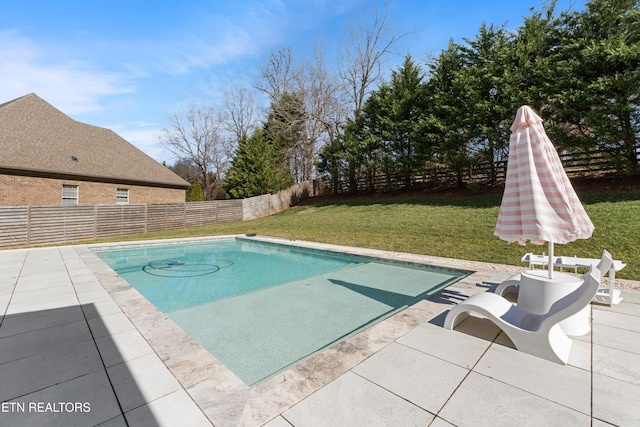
576, 164
36, 225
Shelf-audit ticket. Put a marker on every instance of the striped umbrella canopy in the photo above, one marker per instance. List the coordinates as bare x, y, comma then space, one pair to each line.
539, 203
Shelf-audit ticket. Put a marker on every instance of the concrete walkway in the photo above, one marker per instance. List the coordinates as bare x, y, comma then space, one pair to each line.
79, 347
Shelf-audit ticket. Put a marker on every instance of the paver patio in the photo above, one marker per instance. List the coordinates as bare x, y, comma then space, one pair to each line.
78, 346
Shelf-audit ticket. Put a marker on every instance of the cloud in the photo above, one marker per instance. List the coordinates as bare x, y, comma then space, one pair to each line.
72, 86
217, 42
116, 79
250, 29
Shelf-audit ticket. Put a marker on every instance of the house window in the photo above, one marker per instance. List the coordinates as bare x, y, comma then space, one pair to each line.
122, 196
69, 195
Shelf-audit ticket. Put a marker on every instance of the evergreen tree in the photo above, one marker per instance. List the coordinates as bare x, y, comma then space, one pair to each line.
579, 70
597, 99
448, 107
256, 169
343, 159
365, 145
194, 192
395, 117
284, 128
529, 71
331, 162
487, 97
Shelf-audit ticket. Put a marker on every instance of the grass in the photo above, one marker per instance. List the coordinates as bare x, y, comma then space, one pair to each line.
454, 227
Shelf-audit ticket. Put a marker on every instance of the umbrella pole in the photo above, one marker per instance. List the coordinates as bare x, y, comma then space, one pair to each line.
550, 263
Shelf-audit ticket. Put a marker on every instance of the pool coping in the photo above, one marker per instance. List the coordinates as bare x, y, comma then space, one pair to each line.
219, 393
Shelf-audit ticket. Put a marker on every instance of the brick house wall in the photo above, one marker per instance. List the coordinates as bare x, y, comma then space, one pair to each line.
42, 149
16, 190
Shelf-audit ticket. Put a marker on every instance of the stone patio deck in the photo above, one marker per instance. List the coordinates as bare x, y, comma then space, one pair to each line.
79, 346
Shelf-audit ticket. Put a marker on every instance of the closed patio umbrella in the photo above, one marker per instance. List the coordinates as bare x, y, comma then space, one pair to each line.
539, 203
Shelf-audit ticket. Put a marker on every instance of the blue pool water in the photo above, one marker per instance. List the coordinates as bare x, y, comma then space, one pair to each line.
261, 307
174, 277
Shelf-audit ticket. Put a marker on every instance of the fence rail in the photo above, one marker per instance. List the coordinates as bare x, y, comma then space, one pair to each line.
576, 164
36, 225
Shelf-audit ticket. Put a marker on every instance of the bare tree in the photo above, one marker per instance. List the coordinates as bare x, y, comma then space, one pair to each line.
186, 169
286, 116
195, 134
306, 107
361, 62
278, 74
241, 112
324, 109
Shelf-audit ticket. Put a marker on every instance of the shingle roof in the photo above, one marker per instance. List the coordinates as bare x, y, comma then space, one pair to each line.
36, 138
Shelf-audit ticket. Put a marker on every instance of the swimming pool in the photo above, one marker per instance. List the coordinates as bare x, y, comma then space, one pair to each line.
261, 307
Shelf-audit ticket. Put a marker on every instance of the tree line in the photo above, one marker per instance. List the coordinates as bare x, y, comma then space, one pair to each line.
580, 70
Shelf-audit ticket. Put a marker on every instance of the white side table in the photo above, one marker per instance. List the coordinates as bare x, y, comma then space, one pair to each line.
605, 295
538, 293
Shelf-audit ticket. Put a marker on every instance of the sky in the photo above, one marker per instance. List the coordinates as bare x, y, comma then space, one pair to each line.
127, 65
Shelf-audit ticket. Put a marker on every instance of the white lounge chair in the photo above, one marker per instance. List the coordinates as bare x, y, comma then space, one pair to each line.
538, 335
512, 281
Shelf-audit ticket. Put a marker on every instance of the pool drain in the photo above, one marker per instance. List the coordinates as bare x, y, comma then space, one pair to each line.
183, 268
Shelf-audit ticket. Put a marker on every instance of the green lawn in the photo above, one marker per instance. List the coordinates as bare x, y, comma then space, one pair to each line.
455, 227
